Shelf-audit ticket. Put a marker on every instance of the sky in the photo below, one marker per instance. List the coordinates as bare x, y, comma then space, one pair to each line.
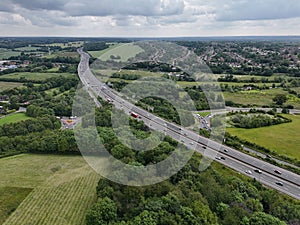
149, 18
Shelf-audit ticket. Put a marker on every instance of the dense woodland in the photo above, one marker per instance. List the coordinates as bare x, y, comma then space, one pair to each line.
189, 197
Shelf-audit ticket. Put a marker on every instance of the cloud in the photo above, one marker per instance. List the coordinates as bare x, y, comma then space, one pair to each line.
124, 7
238, 10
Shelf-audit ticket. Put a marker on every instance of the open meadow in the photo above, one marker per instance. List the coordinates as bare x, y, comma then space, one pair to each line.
7, 53
124, 51
13, 118
35, 75
283, 138
9, 85
45, 189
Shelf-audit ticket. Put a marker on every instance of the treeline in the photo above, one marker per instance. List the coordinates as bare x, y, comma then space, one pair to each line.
152, 66
249, 121
95, 46
125, 76
191, 197
57, 59
39, 135
46, 141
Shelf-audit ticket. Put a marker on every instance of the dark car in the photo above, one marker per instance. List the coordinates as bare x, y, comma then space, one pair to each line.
257, 171
225, 150
277, 171
222, 157
279, 183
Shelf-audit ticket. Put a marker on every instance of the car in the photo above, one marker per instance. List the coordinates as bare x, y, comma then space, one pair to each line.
218, 158
279, 183
277, 171
248, 171
225, 150
203, 147
222, 157
191, 143
182, 141
257, 171
268, 156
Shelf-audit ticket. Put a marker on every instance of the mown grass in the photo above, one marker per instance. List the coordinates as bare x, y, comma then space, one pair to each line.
63, 188
283, 138
125, 51
9, 85
203, 114
13, 118
35, 75
97, 54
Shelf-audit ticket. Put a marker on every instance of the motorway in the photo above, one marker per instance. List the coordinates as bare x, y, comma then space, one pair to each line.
285, 182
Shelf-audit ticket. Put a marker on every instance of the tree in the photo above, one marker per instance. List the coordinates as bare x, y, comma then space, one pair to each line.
261, 218
280, 99
101, 213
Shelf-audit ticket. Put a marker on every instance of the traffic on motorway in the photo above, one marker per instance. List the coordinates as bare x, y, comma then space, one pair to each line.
266, 173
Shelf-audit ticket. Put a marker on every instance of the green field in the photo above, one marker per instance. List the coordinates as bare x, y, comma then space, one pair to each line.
63, 188
35, 75
9, 85
125, 51
62, 54
66, 45
283, 138
16, 117
204, 114
97, 54
7, 53
27, 49
259, 98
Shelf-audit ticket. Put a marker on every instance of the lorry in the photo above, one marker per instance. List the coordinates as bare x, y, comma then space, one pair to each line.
133, 114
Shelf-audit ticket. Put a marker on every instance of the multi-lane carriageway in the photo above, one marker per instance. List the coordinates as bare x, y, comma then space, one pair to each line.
284, 181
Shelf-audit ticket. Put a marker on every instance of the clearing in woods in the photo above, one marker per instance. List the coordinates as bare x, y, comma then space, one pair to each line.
51, 189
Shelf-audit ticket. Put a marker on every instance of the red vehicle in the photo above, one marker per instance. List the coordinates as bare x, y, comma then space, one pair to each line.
133, 114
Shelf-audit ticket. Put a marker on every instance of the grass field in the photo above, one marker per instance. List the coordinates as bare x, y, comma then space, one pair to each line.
63, 187
9, 85
35, 76
13, 118
97, 54
104, 75
6, 53
66, 45
27, 49
204, 114
283, 138
259, 98
62, 54
125, 51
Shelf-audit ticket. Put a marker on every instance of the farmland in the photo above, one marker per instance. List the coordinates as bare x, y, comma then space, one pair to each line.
63, 187
34, 75
13, 118
282, 138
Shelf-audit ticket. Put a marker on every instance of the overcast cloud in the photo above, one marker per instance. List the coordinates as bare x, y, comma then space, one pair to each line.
149, 17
